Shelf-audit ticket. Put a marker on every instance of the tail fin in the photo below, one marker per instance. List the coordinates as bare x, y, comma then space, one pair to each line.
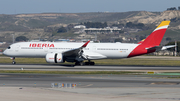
154, 39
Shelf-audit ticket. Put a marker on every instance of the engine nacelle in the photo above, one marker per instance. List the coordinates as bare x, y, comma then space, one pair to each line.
54, 58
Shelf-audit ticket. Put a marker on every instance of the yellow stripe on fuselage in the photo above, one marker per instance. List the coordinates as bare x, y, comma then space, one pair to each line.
163, 23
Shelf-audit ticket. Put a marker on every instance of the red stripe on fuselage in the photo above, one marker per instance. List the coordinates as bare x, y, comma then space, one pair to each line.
140, 50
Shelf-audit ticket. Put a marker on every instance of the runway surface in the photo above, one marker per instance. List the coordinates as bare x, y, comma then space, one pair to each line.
87, 81
89, 87
56, 67
98, 87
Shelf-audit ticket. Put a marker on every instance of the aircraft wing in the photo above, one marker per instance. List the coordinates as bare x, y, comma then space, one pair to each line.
75, 52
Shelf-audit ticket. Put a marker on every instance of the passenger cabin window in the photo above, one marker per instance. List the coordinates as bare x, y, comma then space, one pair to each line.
9, 47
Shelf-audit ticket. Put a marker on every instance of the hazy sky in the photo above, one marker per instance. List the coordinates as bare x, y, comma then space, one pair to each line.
77, 6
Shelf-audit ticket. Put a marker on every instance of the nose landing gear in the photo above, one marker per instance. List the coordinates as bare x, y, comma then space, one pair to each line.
14, 62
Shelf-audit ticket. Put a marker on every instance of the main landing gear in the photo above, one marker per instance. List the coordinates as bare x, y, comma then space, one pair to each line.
14, 62
89, 63
79, 63
85, 63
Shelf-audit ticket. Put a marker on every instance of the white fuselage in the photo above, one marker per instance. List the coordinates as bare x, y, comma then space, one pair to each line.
92, 51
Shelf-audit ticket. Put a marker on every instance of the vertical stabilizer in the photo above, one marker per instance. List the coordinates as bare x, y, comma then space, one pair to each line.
154, 39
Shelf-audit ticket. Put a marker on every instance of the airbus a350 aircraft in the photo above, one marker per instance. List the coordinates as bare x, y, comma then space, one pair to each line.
55, 52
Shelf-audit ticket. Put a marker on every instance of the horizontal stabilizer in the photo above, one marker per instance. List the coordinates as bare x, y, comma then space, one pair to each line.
166, 47
159, 48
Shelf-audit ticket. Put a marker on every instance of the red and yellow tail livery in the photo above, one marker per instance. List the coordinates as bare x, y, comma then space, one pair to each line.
152, 41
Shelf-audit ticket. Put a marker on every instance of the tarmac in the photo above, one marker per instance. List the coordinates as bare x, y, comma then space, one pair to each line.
85, 94
37, 87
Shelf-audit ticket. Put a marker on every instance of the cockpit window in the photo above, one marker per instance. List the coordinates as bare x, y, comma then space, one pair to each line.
9, 47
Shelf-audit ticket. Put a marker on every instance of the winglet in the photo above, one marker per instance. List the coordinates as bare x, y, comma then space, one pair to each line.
85, 44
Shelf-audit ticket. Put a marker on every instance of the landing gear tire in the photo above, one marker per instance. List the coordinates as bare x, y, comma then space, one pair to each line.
86, 63
92, 63
13, 62
79, 63
89, 63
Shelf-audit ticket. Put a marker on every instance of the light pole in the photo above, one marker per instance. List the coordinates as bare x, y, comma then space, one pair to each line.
175, 48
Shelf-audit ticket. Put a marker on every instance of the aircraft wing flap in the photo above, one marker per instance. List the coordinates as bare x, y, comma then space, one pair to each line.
93, 55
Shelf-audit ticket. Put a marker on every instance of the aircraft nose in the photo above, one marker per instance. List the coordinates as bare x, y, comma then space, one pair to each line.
5, 52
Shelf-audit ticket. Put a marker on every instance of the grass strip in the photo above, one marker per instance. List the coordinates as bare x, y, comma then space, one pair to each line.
172, 77
69, 72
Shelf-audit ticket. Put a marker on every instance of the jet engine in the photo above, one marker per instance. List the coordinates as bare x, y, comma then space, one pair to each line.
54, 58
